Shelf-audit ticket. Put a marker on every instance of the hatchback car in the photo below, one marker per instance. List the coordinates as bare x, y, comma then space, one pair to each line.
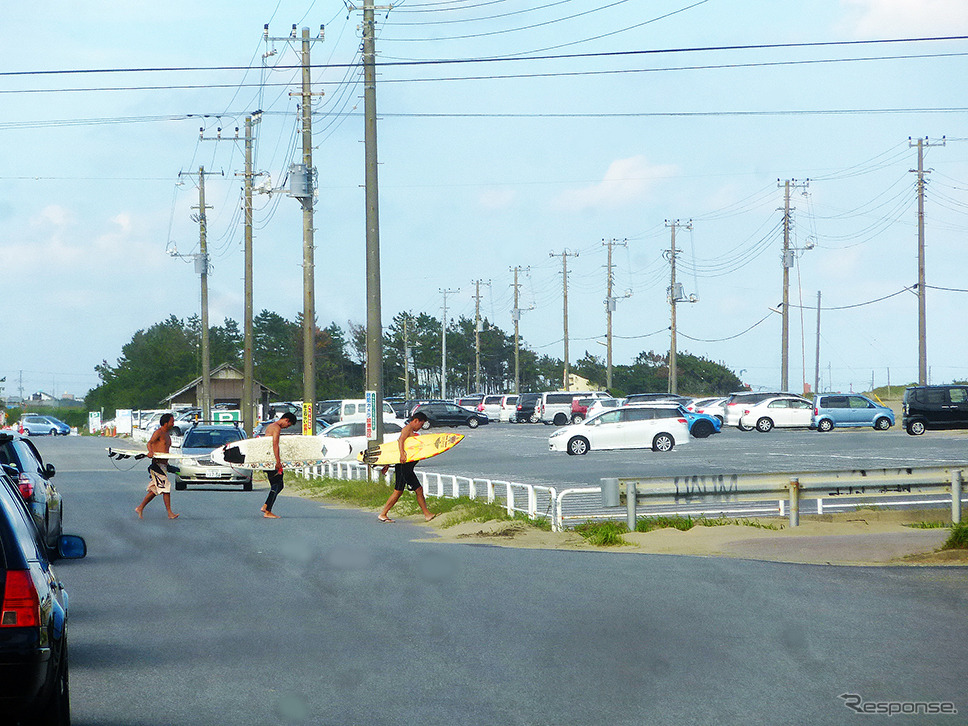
777, 412
37, 425
354, 434
658, 427
198, 443
843, 410
737, 403
34, 684
33, 479
450, 414
490, 406
935, 407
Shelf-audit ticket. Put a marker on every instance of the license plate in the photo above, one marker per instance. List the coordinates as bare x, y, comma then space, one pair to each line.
213, 474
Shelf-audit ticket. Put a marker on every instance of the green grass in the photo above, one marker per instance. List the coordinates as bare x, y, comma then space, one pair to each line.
927, 525
958, 539
603, 534
609, 534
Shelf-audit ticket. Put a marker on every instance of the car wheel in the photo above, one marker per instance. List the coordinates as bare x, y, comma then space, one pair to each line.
764, 425
916, 428
721, 420
534, 418
247, 486
701, 429
57, 710
560, 419
473, 423
663, 442
179, 485
578, 446
824, 425
744, 427
577, 418
882, 424
426, 424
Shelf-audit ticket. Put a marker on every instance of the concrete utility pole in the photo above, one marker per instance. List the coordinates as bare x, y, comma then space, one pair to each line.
564, 282
610, 301
789, 255
477, 334
922, 286
443, 344
516, 316
816, 379
406, 358
675, 296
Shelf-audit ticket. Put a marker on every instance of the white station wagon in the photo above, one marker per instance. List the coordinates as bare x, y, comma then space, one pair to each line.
659, 427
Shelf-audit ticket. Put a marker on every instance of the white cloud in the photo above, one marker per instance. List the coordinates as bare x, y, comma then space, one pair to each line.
908, 18
626, 182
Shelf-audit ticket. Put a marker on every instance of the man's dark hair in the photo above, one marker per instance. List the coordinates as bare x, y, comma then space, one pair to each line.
289, 416
165, 418
420, 416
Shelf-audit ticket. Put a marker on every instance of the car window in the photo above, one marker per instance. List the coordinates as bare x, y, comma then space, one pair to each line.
349, 409
800, 404
607, 418
781, 403
638, 414
834, 402
934, 396
858, 402
211, 438
667, 413
340, 431
957, 395
559, 397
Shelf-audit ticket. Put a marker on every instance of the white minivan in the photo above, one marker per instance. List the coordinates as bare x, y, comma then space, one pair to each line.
554, 407
354, 409
649, 426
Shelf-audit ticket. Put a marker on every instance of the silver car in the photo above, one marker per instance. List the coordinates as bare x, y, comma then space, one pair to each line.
198, 443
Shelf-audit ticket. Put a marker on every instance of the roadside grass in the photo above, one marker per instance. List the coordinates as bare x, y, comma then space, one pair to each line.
609, 534
373, 495
928, 525
958, 539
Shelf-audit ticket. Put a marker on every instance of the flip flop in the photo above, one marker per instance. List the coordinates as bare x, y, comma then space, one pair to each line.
385, 521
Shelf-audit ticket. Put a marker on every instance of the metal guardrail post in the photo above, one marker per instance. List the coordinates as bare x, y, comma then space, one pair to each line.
631, 496
610, 492
794, 502
956, 497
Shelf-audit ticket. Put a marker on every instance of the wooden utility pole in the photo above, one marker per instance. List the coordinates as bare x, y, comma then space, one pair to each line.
477, 334
789, 256
564, 287
443, 344
248, 335
610, 304
516, 316
816, 379
675, 296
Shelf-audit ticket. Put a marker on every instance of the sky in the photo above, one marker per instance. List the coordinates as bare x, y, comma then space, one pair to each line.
509, 133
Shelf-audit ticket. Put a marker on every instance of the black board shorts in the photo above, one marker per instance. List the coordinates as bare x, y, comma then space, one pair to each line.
405, 478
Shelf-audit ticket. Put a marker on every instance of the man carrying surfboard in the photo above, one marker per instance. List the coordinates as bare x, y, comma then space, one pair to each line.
158, 483
275, 475
403, 474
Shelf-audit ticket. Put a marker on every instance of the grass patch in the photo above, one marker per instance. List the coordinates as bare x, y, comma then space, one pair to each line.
603, 534
648, 524
958, 539
927, 525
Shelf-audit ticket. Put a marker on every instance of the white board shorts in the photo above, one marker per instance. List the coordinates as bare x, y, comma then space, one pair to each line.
158, 478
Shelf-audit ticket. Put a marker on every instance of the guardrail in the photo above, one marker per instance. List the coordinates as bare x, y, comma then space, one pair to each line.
730, 488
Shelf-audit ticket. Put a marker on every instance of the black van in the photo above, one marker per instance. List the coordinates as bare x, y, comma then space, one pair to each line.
525, 410
935, 407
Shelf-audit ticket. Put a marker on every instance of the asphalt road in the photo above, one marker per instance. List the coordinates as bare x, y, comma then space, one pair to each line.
327, 617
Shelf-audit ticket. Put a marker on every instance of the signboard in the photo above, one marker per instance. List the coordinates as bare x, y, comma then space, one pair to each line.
307, 410
122, 421
370, 413
93, 421
223, 416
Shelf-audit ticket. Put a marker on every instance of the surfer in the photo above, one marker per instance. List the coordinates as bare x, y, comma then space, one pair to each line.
158, 483
275, 475
403, 474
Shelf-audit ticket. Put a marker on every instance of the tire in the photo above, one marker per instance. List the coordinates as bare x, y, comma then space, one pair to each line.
663, 442
560, 419
701, 429
824, 425
426, 424
247, 486
179, 485
882, 424
721, 420
534, 418
764, 425
916, 428
57, 711
473, 423
577, 418
578, 446
741, 427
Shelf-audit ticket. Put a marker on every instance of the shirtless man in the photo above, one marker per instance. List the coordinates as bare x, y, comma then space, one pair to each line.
275, 475
403, 474
158, 483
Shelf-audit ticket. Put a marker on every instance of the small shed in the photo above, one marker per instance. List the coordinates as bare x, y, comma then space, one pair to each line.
226, 388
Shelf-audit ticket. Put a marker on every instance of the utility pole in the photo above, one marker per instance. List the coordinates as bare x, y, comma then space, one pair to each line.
789, 255
406, 358
477, 334
675, 296
922, 287
564, 282
443, 344
202, 267
610, 302
516, 316
816, 379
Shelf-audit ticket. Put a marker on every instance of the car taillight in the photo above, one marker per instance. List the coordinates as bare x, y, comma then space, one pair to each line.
25, 486
816, 411
21, 605
682, 420
480, 407
746, 411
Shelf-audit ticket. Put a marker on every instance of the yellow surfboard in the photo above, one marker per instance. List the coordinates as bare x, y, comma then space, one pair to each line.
416, 447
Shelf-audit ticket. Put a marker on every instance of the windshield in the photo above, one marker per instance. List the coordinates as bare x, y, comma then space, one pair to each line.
210, 438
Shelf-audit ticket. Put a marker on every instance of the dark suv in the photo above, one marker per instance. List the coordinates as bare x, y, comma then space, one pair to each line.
525, 411
935, 407
24, 463
34, 685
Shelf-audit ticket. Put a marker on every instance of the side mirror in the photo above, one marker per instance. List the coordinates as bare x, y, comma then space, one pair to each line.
71, 547
49, 471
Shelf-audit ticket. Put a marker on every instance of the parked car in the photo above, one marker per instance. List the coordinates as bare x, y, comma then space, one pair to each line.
33, 479
653, 426
328, 411
198, 442
470, 402
710, 406
354, 409
737, 403
37, 425
62, 428
295, 429
414, 402
777, 412
34, 684
602, 404
450, 414
354, 434
656, 397
526, 408
399, 405
701, 425
934, 407
581, 403
490, 406
839, 409
509, 408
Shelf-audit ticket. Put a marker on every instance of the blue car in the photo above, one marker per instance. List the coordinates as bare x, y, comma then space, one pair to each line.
33, 424
849, 409
701, 425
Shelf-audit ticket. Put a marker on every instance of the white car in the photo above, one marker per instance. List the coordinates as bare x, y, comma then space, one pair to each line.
490, 406
777, 412
509, 408
709, 406
354, 434
629, 427
602, 404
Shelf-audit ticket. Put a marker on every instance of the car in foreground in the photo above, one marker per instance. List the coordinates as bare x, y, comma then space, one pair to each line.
354, 434
656, 427
33, 478
934, 407
845, 410
777, 412
198, 443
34, 681
450, 414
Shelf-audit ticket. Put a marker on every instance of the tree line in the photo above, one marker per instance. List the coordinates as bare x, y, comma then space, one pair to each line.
167, 356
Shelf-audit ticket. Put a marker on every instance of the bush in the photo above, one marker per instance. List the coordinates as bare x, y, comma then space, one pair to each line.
958, 540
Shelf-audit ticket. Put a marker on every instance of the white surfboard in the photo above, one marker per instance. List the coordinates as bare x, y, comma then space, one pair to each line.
295, 451
139, 454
